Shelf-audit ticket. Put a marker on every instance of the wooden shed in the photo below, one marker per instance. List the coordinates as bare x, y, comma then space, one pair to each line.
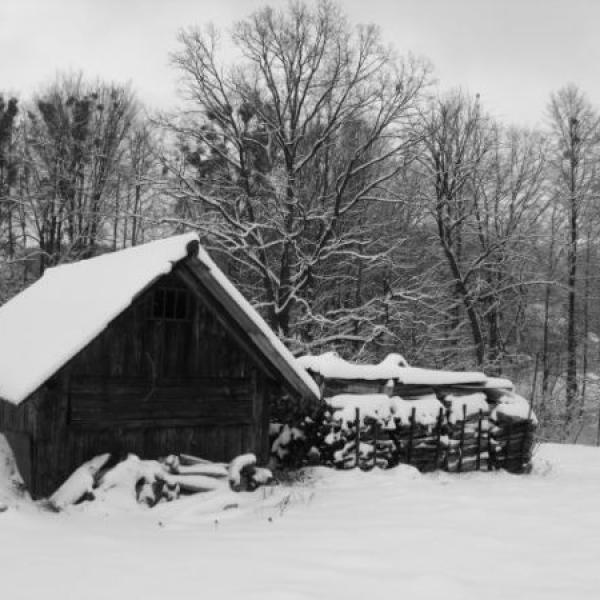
149, 350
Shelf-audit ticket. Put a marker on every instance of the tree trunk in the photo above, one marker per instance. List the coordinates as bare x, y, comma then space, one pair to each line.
571, 380
586, 322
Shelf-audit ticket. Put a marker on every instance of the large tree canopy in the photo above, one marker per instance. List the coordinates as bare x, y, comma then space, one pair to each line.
282, 151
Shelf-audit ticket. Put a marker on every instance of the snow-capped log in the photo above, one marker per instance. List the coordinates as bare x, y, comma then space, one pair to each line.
124, 482
195, 483
262, 476
244, 475
185, 464
214, 470
188, 460
80, 484
149, 482
239, 466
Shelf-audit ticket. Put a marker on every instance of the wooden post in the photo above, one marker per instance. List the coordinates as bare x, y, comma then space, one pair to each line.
598, 432
411, 433
535, 376
478, 460
375, 444
357, 425
447, 457
462, 439
508, 439
489, 449
524, 438
438, 439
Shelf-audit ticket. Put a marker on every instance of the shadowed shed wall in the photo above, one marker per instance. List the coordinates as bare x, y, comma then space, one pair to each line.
170, 374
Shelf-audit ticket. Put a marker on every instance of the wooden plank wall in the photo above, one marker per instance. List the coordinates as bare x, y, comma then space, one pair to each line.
96, 402
153, 387
22, 417
18, 424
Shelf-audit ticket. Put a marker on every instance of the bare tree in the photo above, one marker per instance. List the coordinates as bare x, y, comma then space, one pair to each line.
575, 135
8, 169
280, 152
483, 186
74, 141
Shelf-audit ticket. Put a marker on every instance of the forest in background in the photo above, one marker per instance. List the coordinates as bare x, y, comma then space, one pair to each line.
357, 205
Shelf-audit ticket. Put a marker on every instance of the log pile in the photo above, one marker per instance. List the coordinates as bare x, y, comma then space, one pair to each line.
365, 431
150, 482
457, 432
466, 436
420, 446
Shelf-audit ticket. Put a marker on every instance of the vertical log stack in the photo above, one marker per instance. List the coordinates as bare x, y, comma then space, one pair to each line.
512, 431
456, 431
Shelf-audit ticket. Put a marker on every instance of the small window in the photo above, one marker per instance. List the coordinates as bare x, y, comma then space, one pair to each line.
170, 304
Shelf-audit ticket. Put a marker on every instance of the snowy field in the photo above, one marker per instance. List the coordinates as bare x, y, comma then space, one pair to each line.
395, 534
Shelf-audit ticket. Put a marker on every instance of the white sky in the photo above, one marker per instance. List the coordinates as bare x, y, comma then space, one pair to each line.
513, 52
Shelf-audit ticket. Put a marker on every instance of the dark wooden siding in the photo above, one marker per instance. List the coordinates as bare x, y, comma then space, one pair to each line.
18, 424
154, 385
138, 345
97, 402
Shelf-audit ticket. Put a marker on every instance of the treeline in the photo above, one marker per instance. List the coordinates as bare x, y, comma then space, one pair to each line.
357, 205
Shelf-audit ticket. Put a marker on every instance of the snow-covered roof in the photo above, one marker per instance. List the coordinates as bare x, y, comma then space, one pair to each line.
393, 366
47, 324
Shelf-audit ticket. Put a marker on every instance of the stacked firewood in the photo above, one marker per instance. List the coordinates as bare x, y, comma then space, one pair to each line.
150, 482
458, 433
419, 428
419, 446
466, 432
371, 430
512, 430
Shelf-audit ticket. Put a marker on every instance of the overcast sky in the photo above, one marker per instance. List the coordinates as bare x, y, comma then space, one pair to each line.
512, 52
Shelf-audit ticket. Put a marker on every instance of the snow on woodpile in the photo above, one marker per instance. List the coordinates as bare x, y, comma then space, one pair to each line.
331, 366
377, 407
58, 315
457, 432
80, 484
465, 406
286, 439
384, 410
426, 410
245, 475
134, 481
511, 406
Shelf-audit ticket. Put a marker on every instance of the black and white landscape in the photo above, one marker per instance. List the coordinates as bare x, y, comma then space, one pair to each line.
299, 299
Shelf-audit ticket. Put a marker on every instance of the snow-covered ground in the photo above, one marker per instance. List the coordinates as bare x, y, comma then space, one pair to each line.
339, 534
